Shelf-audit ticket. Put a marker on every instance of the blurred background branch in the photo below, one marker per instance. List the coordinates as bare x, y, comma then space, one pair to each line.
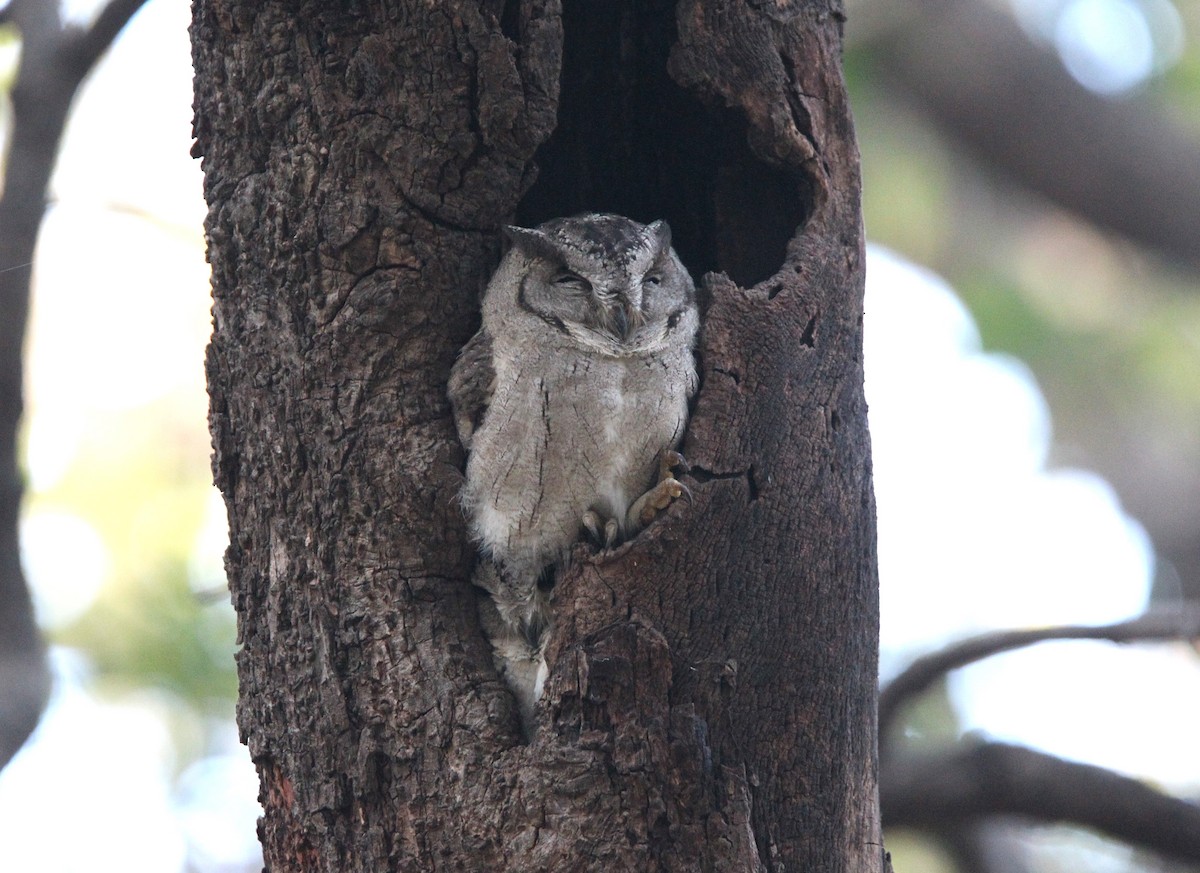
982, 780
1125, 165
924, 672
1098, 307
956, 793
55, 57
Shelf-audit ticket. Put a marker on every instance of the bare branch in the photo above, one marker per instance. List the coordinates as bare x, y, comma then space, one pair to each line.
990, 779
53, 63
24, 674
992, 846
39, 23
924, 672
1119, 163
84, 46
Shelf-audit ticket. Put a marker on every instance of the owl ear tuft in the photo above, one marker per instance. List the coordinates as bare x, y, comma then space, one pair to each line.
532, 243
660, 234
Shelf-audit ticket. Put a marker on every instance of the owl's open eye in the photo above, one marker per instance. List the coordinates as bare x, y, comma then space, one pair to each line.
571, 281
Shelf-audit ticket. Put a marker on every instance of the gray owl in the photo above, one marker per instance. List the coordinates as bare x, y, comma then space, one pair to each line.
570, 400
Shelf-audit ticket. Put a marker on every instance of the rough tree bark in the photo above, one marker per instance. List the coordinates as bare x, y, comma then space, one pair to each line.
711, 704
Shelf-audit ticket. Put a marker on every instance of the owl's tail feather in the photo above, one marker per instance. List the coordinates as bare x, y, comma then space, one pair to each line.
518, 628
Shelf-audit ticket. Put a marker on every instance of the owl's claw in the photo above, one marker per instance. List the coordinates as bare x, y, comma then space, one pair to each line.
603, 532
665, 491
649, 505
672, 460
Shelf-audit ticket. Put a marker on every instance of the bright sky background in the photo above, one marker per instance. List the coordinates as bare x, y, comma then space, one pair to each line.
1109, 46
975, 533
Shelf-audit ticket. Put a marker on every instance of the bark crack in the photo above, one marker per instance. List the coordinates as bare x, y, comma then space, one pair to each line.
747, 475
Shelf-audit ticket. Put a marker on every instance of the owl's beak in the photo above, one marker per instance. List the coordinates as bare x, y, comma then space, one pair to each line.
621, 322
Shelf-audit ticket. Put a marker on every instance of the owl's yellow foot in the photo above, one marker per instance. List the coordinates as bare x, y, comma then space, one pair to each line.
649, 505
605, 532
663, 494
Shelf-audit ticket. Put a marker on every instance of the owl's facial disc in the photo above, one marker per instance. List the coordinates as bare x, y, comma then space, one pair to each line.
613, 286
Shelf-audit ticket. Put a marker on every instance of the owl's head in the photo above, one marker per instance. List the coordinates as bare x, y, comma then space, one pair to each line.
608, 283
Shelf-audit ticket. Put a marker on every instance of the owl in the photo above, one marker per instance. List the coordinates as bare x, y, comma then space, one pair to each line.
571, 401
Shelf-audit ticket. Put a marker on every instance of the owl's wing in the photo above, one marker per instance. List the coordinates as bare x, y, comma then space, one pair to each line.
472, 382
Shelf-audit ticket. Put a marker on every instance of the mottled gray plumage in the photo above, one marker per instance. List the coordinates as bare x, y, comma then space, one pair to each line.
568, 398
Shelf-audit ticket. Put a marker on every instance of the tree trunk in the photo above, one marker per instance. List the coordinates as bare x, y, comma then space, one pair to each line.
711, 704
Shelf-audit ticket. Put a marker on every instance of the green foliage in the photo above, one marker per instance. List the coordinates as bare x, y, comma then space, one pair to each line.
160, 624
155, 631
928, 723
1179, 86
915, 852
1109, 331
1134, 352
10, 47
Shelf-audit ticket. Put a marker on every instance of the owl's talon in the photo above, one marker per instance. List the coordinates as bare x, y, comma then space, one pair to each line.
671, 460
602, 532
611, 529
654, 501
591, 523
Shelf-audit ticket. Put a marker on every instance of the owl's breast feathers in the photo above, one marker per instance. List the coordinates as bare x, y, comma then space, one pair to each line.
564, 433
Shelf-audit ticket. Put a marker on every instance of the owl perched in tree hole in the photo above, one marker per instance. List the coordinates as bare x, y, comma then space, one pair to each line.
571, 400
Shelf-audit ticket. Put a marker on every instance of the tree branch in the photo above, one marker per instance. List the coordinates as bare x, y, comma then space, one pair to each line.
1120, 164
53, 63
84, 46
925, 671
993, 846
929, 792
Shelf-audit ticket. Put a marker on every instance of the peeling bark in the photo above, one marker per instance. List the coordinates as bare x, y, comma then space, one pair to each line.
711, 702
